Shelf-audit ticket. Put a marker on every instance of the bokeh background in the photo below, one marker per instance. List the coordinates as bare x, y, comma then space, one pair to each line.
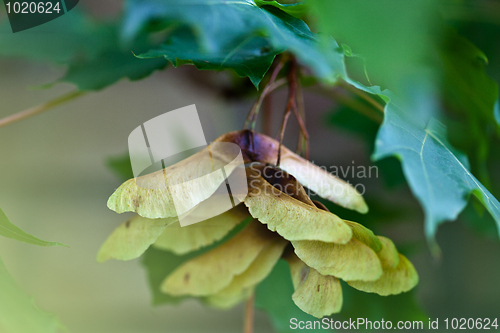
54, 183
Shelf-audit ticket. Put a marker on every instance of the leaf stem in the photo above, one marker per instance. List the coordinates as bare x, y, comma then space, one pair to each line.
353, 104
249, 314
40, 108
364, 96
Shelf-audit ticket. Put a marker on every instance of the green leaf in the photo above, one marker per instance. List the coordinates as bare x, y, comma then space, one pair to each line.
93, 51
392, 38
497, 111
295, 9
109, 68
472, 96
9, 230
467, 87
229, 27
250, 57
18, 312
436, 173
112, 64
73, 35
367, 129
274, 296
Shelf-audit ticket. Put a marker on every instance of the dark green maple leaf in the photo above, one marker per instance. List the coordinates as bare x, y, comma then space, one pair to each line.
242, 35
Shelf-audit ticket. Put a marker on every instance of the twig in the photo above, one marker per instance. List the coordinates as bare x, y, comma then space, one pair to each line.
304, 135
252, 115
40, 108
290, 105
303, 142
254, 110
270, 86
282, 133
249, 314
267, 115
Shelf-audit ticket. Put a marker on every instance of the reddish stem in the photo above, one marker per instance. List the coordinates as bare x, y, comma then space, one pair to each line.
249, 314
270, 86
267, 115
290, 105
303, 142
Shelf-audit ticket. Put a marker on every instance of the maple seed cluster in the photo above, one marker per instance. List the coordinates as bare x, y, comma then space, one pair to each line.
277, 220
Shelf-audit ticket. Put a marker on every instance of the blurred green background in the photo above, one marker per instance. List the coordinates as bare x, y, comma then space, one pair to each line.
54, 184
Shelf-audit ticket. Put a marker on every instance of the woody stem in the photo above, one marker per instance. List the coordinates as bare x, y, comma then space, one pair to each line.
267, 115
304, 135
282, 133
270, 86
299, 110
290, 105
249, 315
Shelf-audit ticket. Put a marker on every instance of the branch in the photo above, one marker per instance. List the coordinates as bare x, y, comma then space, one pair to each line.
40, 108
303, 141
267, 115
290, 105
